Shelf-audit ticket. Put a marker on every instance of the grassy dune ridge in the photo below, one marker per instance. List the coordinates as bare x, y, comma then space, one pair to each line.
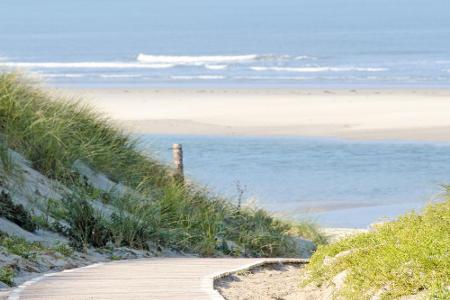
53, 133
405, 257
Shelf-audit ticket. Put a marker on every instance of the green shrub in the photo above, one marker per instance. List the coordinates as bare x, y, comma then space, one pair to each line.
188, 220
309, 231
7, 275
260, 234
28, 251
63, 249
21, 247
401, 258
133, 225
86, 225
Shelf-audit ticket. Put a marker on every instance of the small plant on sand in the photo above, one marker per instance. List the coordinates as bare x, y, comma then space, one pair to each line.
15, 213
87, 227
115, 257
63, 249
7, 275
20, 247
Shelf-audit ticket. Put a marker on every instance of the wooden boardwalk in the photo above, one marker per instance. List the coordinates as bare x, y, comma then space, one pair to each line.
154, 278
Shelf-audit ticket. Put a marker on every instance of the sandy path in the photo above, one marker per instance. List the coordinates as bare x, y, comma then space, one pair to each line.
263, 283
361, 114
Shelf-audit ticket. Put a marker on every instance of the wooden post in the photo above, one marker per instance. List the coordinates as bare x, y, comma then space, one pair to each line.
177, 152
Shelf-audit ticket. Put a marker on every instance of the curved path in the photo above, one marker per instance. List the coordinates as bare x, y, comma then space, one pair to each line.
153, 278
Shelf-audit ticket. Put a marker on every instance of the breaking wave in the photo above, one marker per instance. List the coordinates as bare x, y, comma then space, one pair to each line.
211, 59
120, 75
216, 67
202, 77
317, 69
84, 65
68, 75
305, 57
196, 60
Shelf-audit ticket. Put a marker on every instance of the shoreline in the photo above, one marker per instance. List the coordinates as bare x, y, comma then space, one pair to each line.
360, 114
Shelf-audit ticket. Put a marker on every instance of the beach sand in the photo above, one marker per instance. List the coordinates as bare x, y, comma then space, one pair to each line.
265, 283
357, 114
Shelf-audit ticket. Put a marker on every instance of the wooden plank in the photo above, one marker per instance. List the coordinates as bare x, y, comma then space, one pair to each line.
154, 278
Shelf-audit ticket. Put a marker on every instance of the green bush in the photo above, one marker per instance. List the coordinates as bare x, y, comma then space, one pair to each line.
87, 227
133, 224
259, 234
400, 258
29, 251
63, 249
7, 275
21, 247
310, 231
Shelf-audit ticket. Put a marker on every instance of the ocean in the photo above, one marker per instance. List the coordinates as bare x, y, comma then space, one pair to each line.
197, 43
334, 182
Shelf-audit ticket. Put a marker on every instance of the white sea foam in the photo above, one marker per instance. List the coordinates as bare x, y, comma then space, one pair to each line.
304, 57
195, 59
67, 75
208, 77
202, 60
216, 67
120, 75
84, 65
271, 78
317, 69
202, 77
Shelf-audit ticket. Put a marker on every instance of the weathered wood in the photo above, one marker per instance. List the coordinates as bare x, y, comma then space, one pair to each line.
177, 152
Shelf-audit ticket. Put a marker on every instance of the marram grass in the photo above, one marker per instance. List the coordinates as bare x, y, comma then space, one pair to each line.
53, 133
408, 256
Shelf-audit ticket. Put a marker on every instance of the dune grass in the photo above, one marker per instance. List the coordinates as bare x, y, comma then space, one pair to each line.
7, 166
309, 230
408, 256
53, 133
7, 275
